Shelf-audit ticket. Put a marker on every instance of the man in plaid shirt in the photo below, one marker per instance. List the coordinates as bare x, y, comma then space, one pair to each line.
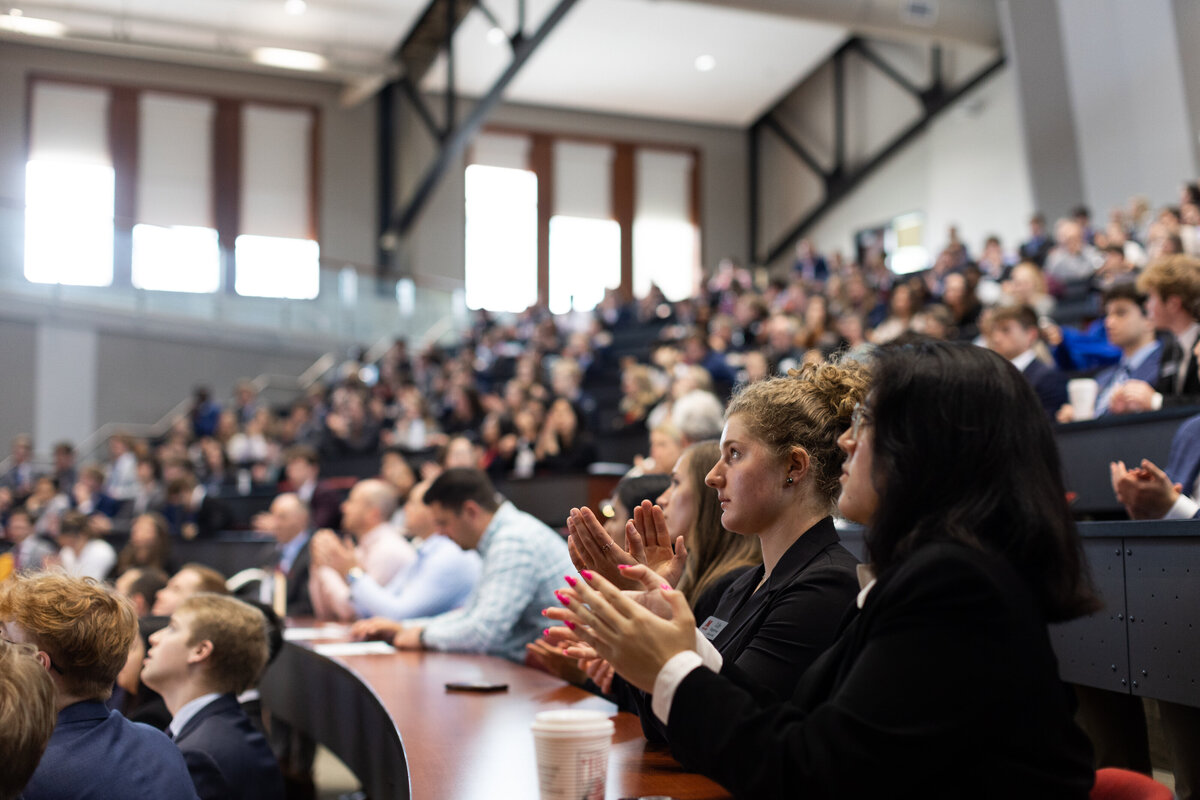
524, 561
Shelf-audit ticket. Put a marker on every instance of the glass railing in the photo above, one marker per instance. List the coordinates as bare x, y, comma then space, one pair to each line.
353, 306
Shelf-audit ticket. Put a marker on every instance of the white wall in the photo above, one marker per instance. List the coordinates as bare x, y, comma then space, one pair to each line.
967, 169
1127, 93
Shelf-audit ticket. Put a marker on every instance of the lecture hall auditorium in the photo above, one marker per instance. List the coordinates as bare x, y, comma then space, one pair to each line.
284, 286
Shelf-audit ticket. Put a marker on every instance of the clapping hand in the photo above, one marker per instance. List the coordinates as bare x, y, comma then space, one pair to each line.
635, 640
646, 536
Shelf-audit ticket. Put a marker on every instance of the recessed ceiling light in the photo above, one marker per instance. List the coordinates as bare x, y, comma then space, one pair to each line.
295, 7
18, 22
496, 36
289, 59
705, 63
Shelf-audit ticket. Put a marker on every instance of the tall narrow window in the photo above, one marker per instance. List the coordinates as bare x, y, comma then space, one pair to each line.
174, 241
585, 241
501, 238
69, 188
275, 252
665, 241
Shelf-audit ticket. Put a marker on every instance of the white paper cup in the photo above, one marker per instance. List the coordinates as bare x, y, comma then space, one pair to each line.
572, 753
1082, 392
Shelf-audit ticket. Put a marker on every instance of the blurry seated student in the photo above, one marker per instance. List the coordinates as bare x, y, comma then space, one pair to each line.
130, 696
213, 648
302, 475
141, 585
192, 512
1172, 285
83, 553
1014, 334
191, 579
82, 632
523, 561
30, 551
1129, 328
439, 580
942, 682
149, 545
26, 715
630, 493
88, 497
776, 480
288, 523
381, 551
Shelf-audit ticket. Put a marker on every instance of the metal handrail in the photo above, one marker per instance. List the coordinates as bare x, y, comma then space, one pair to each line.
301, 383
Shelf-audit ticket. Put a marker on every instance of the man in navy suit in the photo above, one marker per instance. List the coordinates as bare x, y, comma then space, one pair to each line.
1172, 285
1014, 333
83, 633
213, 648
1128, 327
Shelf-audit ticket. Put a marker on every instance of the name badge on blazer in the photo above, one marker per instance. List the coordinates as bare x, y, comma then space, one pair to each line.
711, 627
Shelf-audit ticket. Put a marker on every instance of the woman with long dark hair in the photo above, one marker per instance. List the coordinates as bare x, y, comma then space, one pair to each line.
943, 682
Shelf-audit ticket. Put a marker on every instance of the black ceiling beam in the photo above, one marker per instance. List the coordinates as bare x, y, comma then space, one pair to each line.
455, 139
864, 50
935, 100
793, 144
428, 36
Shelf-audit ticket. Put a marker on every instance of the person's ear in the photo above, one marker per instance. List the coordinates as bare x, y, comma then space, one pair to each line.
798, 465
200, 652
44, 659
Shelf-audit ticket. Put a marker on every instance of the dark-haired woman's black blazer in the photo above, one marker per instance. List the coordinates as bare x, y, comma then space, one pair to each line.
943, 686
770, 636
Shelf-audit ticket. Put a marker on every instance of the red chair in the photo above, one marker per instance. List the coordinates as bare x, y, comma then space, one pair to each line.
1121, 784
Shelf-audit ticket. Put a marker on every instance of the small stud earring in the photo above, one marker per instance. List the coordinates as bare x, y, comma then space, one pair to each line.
789, 480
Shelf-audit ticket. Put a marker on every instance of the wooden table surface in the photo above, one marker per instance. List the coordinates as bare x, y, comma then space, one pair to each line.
456, 745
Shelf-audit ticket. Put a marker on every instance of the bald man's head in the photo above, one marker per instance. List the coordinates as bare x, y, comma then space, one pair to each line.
289, 517
370, 503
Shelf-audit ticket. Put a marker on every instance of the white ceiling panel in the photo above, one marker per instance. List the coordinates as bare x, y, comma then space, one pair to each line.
639, 57
618, 56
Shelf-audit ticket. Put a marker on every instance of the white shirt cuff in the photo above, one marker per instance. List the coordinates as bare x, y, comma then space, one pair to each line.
1184, 508
679, 667
708, 652
1156, 401
669, 677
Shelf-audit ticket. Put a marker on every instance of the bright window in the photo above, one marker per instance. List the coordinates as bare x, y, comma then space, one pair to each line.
269, 266
176, 259
585, 259
501, 238
69, 223
664, 253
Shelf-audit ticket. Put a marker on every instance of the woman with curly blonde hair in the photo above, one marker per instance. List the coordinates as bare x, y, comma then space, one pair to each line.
776, 480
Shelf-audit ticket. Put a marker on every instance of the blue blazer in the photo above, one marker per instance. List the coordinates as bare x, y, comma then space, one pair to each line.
227, 758
97, 754
1146, 371
1183, 462
1050, 385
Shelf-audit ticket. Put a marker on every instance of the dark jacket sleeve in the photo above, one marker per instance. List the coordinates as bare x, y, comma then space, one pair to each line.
927, 681
210, 783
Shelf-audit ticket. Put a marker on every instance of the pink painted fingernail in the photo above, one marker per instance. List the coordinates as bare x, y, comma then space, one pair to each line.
587, 576
666, 587
569, 624
622, 566
546, 633
565, 653
562, 598
570, 581
544, 614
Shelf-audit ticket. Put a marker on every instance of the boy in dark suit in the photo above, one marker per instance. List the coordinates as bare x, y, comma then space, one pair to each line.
82, 633
1013, 334
213, 648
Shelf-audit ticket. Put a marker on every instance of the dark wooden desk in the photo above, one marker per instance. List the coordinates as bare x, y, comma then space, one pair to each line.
391, 720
